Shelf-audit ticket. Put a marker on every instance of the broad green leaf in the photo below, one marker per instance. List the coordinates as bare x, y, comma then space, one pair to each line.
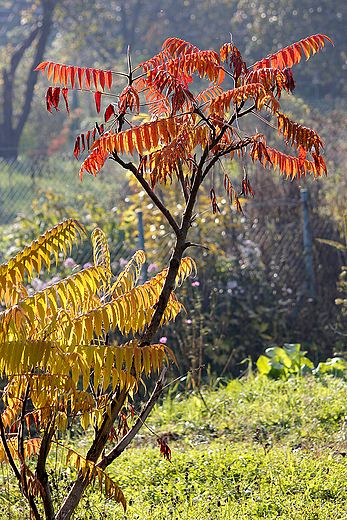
263, 365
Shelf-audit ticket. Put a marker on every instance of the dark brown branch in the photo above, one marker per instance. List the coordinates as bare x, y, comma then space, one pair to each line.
155, 199
41, 472
126, 440
236, 145
176, 257
16, 471
20, 437
7, 451
130, 75
93, 454
182, 181
191, 244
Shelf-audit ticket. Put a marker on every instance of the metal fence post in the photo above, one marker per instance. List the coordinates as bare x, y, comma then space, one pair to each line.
307, 243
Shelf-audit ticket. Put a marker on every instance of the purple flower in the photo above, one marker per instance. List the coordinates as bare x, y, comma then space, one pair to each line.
188, 321
195, 284
69, 262
152, 267
87, 265
163, 339
122, 262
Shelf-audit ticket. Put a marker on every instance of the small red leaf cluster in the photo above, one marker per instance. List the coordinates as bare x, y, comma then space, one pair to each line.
164, 448
84, 142
231, 193
53, 98
85, 76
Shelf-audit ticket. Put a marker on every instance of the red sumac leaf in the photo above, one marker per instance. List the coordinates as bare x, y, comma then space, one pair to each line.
63, 75
88, 138
80, 73
290, 81
164, 448
97, 101
109, 112
215, 207
55, 98
27, 420
108, 78
302, 156
70, 71
64, 92
102, 79
87, 79
50, 70
56, 73
95, 78
49, 99
77, 146
42, 66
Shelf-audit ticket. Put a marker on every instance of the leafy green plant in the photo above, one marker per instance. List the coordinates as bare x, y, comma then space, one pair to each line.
282, 363
50, 208
336, 366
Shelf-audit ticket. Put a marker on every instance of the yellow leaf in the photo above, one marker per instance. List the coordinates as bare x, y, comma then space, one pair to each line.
108, 364
129, 354
146, 360
85, 419
119, 353
61, 421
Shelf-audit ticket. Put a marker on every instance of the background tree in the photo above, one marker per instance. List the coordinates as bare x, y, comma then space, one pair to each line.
277, 22
37, 20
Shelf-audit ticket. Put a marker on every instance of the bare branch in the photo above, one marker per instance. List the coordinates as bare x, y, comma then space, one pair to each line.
191, 244
155, 199
16, 471
126, 440
41, 472
182, 180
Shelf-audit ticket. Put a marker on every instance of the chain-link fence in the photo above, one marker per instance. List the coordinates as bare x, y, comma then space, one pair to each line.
280, 239
290, 248
32, 186
285, 231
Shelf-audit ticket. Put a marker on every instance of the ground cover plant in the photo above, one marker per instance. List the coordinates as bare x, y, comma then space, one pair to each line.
53, 337
257, 448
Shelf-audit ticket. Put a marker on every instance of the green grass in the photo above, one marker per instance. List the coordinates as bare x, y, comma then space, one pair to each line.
260, 449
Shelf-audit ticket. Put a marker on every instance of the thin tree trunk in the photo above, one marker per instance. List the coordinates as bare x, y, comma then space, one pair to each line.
10, 133
99, 443
80, 485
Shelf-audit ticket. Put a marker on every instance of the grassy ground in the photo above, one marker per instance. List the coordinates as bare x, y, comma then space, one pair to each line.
255, 449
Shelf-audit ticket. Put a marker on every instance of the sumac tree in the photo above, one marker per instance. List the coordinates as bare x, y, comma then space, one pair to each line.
160, 129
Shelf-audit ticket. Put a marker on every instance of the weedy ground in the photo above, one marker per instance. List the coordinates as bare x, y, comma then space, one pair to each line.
251, 449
